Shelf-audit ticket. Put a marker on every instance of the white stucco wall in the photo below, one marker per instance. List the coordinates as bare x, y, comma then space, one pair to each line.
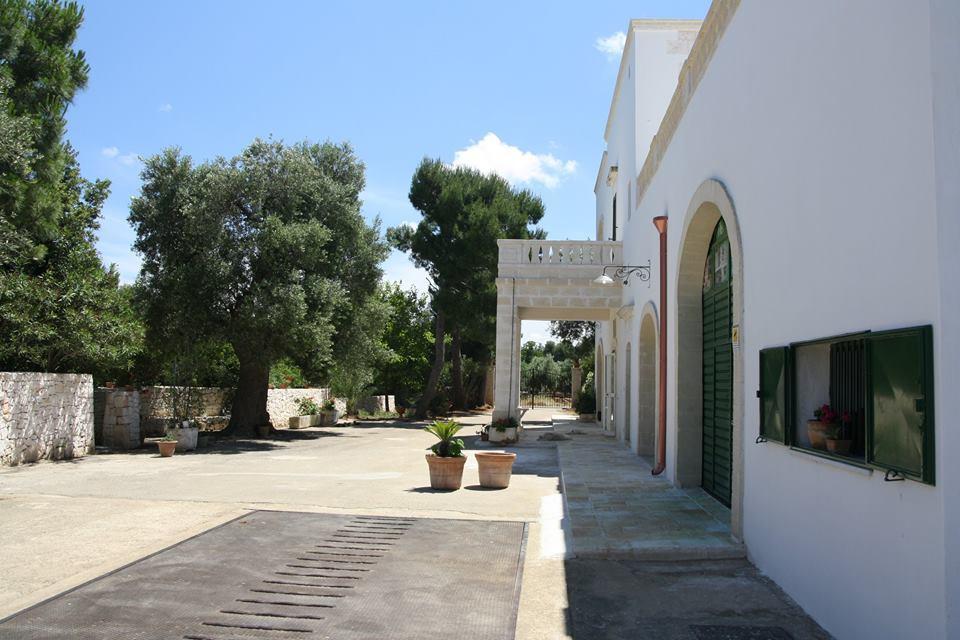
652, 59
818, 120
945, 57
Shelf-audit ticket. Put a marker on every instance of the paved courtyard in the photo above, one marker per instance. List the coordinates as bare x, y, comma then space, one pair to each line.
64, 524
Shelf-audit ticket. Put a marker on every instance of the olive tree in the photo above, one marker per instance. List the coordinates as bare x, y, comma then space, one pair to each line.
267, 251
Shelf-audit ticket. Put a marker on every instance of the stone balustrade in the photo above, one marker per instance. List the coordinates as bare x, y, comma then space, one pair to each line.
560, 253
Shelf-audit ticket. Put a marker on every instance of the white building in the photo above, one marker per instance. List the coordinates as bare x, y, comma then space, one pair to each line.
806, 157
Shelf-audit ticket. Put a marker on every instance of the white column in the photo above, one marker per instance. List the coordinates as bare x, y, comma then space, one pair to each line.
507, 384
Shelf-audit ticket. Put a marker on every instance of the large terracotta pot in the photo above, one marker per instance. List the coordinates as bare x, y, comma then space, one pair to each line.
817, 432
166, 447
445, 473
495, 468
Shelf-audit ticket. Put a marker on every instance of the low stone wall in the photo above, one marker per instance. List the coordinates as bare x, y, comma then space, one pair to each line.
282, 403
124, 418
45, 416
376, 404
121, 419
157, 407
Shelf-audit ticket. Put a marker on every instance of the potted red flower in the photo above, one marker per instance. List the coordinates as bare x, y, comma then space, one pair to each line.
838, 437
817, 428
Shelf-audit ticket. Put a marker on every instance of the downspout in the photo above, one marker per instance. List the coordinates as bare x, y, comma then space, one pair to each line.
660, 222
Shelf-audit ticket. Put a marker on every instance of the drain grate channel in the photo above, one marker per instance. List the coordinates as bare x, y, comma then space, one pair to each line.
282, 575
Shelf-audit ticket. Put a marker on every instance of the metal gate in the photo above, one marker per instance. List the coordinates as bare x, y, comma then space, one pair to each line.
544, 389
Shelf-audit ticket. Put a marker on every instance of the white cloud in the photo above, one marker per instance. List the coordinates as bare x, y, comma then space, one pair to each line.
128, 159
409, 223
536, 331
399, 268
612, 45
492, 155
166, 107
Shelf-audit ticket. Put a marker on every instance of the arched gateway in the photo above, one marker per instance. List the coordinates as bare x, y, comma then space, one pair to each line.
546, 280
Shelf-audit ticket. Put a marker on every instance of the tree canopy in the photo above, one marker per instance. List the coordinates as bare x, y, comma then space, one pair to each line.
463, 212
267, 251
60, 309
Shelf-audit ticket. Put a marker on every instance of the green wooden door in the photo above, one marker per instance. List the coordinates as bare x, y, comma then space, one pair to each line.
718, 367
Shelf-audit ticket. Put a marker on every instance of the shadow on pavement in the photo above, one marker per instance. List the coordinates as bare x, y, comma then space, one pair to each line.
624, 599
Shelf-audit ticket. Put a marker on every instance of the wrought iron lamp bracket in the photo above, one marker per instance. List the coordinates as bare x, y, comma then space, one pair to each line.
623, 272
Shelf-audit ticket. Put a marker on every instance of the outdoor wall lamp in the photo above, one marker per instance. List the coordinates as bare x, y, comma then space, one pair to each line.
623, 274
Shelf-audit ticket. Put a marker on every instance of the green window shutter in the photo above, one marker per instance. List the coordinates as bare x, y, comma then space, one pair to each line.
774, 389
900, 426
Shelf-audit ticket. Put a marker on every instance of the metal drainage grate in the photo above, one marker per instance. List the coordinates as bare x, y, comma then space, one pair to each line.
292, 575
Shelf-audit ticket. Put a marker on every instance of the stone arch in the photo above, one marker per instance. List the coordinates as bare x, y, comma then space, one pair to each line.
645, 440
709, 204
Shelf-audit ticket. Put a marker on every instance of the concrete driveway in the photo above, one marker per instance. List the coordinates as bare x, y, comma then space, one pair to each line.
65, 523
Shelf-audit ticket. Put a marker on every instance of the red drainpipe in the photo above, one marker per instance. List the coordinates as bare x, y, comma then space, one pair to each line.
660, 222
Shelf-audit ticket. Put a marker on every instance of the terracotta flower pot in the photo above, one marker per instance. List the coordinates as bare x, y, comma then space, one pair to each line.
263, 430
166, 447
817, 432
839, 446
445, 473
495, 468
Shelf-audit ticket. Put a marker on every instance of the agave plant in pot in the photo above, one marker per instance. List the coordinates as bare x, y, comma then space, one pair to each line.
447, 460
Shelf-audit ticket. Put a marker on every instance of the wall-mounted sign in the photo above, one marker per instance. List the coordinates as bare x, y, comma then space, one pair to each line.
735, 335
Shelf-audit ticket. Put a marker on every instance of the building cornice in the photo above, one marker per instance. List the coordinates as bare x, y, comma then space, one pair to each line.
642, 24
711, 31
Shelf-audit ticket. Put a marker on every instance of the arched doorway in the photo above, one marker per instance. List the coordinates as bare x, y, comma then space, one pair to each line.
693, 340
647, 387
717, 442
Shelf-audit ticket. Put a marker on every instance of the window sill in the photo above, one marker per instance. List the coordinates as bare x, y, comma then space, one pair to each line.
840, 462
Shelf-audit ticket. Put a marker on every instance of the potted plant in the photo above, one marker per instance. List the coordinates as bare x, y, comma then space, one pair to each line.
401, 409
167, 445
817, 428
447, 460
586, 403
186, 433
838, 437
504, 430
329, 414
495, 468
309, 414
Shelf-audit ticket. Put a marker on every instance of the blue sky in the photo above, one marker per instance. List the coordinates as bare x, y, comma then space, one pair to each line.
522, 88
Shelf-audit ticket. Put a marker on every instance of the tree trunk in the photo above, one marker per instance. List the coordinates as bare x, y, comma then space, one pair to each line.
431, 389
250, 398
456, 371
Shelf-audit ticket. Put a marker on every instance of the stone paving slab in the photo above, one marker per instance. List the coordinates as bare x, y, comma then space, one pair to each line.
616, 508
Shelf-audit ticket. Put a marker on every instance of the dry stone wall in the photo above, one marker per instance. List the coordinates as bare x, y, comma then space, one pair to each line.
45, 416
282, 403
121, 419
